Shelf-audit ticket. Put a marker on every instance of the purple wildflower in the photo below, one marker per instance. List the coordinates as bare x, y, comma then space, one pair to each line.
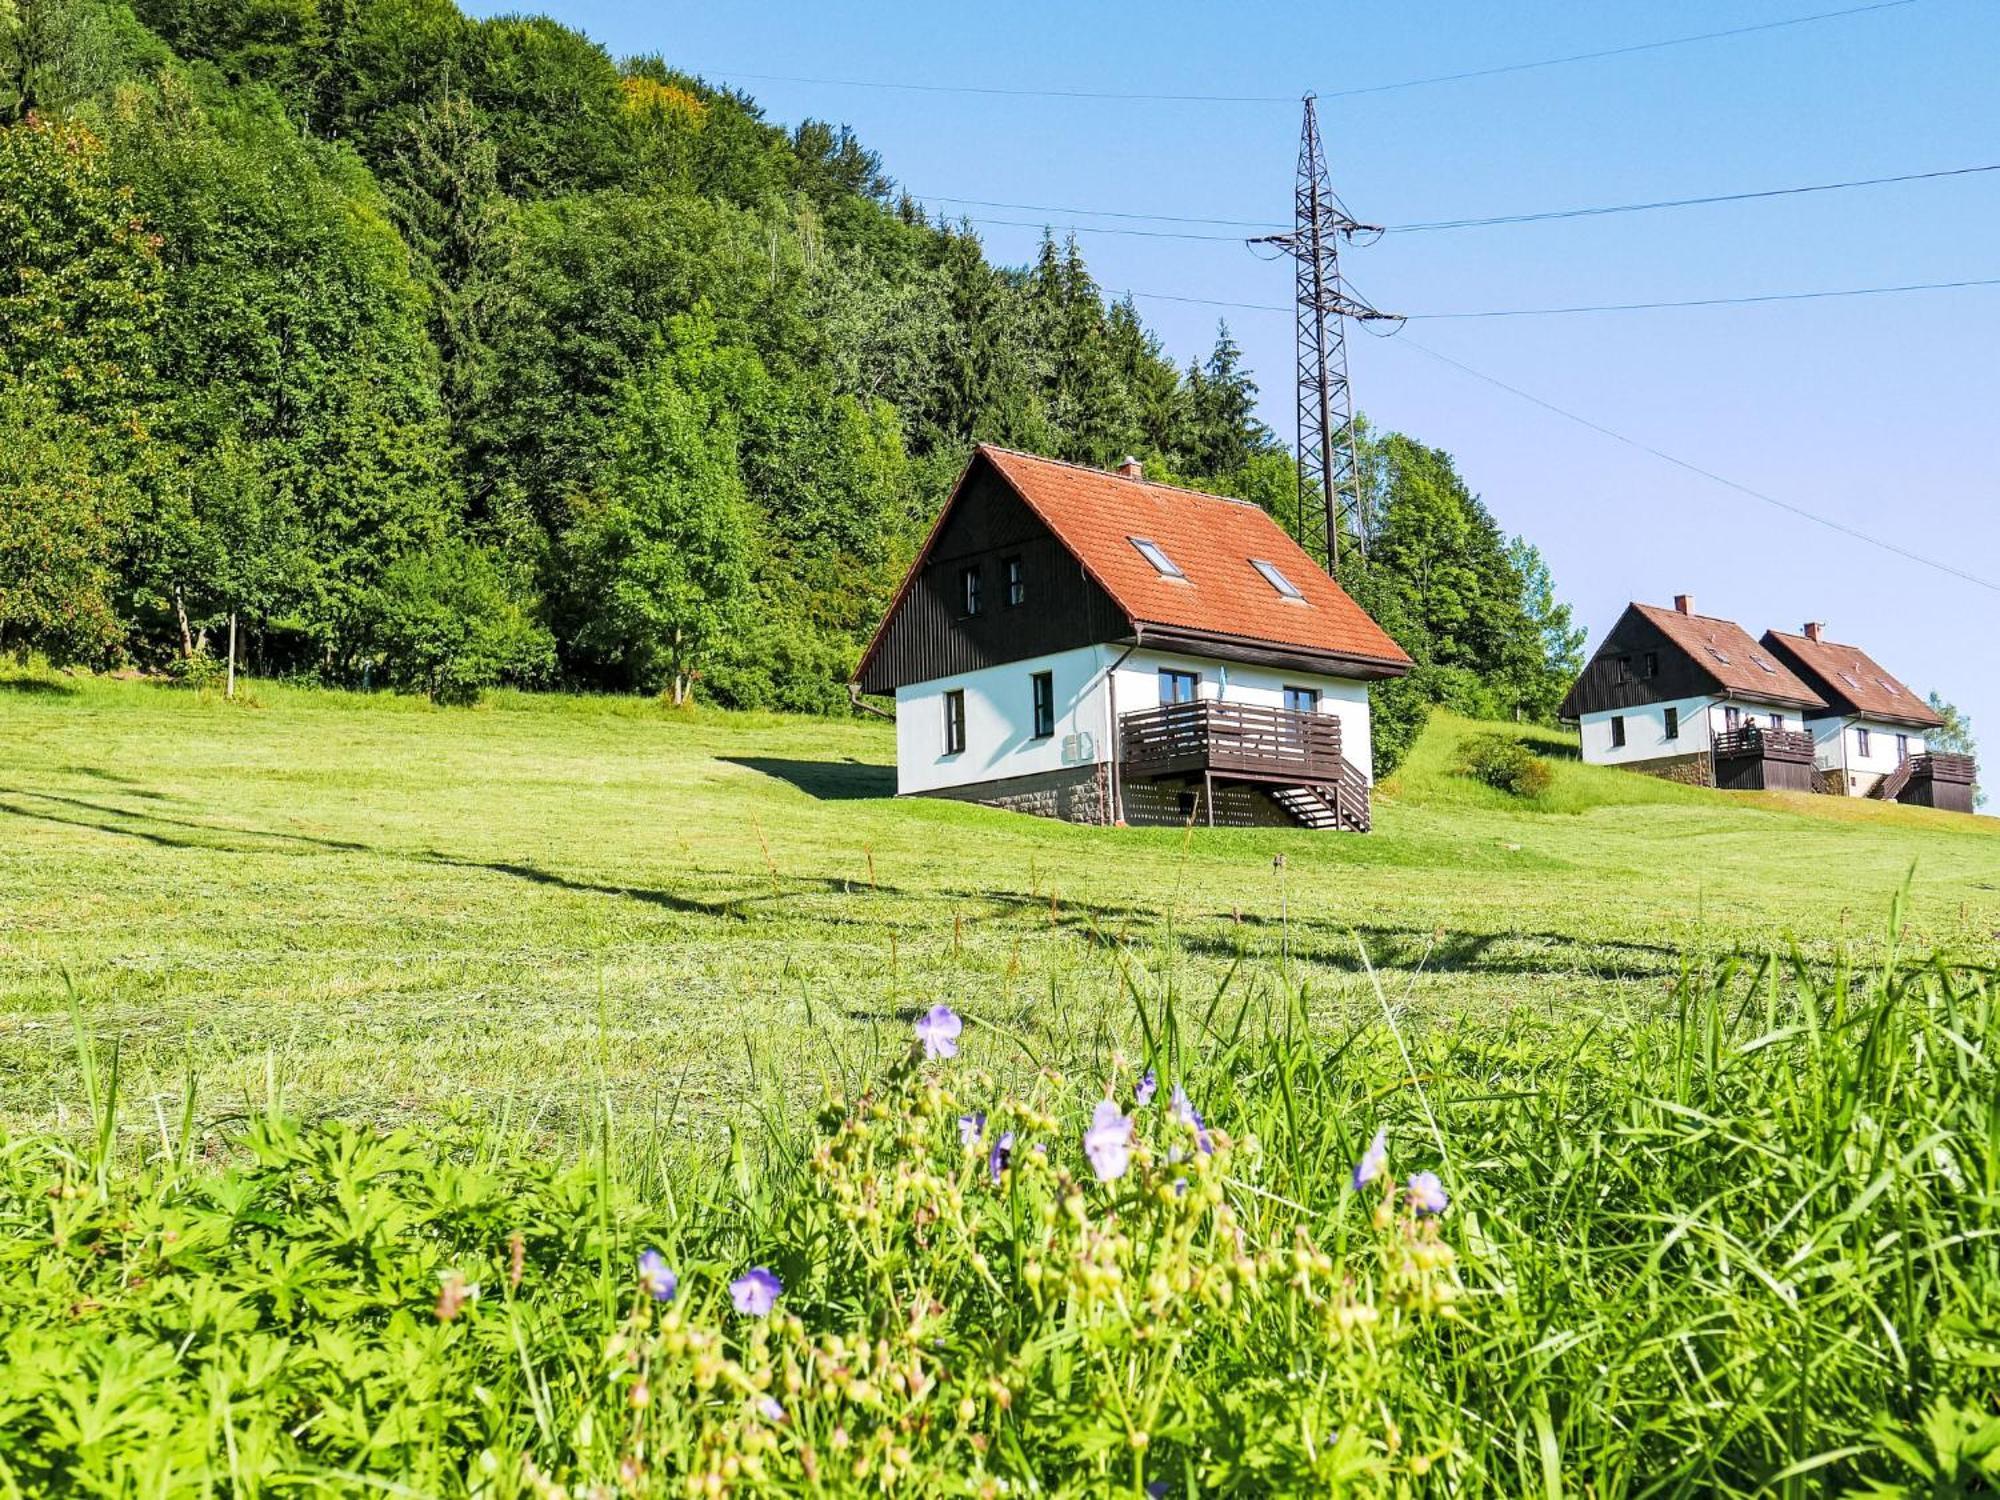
998, 1157
655, 1280
1184, 1111
756, 1292
771, 1410
1374, 1161
1143, 1094
938, 1029
970, 1128
1108, 1142
1427, 1195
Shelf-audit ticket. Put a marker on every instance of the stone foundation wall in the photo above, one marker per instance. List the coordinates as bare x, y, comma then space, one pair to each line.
1075, 794
1696, 769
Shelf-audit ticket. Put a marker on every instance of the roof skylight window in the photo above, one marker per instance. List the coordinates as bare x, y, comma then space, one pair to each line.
1285, 587
1719, 654
1162, 564
1765, 665
1851, 680
1889, 687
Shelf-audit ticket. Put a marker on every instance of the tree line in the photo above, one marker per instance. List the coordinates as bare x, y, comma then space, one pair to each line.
443, 352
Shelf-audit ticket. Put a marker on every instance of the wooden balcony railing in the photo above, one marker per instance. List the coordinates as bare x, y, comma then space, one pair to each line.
1765, 744
1942, 765
1237, 739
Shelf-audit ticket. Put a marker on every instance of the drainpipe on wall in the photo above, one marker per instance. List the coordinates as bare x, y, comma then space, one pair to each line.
1111, 730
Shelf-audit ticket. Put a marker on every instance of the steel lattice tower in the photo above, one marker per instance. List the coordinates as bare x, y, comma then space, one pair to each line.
1330, 497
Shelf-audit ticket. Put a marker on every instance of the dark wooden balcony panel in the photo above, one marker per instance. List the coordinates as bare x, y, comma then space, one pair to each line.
1232, 739
1941, 765
1756, 742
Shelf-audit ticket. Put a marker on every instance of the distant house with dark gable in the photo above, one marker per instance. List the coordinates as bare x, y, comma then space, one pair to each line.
1091, 646
1870, 739
1694, 698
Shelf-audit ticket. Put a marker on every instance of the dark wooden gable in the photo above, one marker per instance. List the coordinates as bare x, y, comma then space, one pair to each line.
928, 633
1616, 677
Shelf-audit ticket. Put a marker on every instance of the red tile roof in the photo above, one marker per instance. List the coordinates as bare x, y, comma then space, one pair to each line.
1724, 650
1212, 541
1848, 678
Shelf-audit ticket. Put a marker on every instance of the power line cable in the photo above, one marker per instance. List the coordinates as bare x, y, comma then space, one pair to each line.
1606, 307
1144, 234
1117, 96
1540, 216
1745, 301
1576, 57
1097, 213
1659, 203
1854, 533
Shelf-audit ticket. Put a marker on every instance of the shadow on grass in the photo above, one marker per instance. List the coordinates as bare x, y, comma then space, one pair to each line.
1225, 936
826, 780
36, 687
183, 833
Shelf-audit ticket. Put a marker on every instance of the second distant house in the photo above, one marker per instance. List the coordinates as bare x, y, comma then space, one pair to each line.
1695, 698
1873, 737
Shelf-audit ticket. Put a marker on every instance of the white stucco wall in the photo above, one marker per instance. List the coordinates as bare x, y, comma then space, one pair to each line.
1837, 748
1646, 728
1645, 732
1000, 722
999, 712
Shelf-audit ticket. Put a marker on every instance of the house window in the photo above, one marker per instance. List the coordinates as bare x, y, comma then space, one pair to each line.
1673, 723
1162, 564
1017, 588
1902, 748
1861, 743
954, 722
1044, 684
1651, 668
1177, 687
1618, 731
969, 589
1777, 721
1624, 669
1285, 587
1302, 700
1732, 719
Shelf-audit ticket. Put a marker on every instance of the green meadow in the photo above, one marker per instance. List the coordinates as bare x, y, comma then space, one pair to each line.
353, 1052
369, 906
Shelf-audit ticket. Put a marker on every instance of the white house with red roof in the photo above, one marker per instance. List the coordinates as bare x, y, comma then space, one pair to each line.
1694, 698
1872, 738
1096, 647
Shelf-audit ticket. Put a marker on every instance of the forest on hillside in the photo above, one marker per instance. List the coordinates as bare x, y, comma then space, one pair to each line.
444, 352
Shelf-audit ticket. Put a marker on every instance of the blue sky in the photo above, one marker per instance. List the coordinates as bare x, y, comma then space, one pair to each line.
1875, 412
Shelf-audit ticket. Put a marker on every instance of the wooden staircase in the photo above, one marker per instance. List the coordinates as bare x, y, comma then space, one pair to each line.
1340, 804
1890, 787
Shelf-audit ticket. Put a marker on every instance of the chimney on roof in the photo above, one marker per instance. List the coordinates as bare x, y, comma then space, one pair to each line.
1131, 468
1684, 603
1815, 630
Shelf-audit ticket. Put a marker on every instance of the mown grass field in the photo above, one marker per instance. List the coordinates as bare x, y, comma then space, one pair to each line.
367, 906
